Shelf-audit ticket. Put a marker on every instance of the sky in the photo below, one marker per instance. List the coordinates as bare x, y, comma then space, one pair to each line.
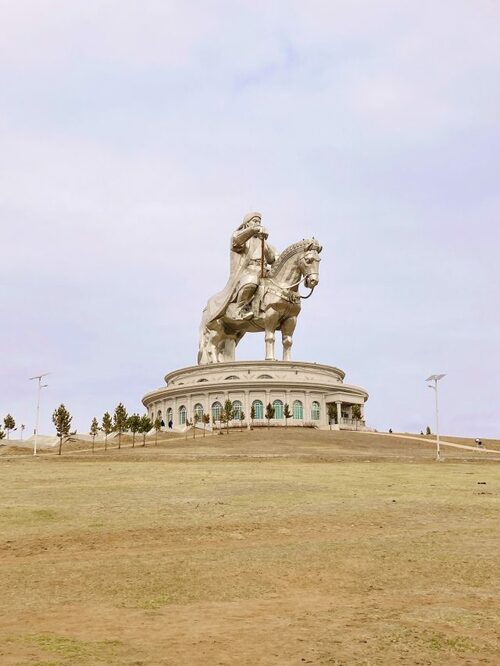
134, 137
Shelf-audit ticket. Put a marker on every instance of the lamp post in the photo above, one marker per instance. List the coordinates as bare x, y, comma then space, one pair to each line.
40, 387
435, 379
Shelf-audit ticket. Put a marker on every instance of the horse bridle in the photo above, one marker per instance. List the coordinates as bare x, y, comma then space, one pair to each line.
290, 287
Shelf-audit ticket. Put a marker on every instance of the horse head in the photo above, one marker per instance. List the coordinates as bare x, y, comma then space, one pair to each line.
309, 263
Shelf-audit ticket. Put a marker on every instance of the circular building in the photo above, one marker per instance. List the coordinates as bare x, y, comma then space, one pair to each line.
315, 394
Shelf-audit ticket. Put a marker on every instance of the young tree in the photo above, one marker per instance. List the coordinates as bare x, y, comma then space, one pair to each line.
356, 414
157, 427
428, 431
107, 428
227, 414
206, 421
269, 414
2, 434
134, 425
252, 415
196, 418
242, 418
145, 426
332, 413
61, 418
9, 424
188, 425
94, 429
287, 414
120, 418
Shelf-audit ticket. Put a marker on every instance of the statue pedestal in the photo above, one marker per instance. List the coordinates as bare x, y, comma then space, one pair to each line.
308, 389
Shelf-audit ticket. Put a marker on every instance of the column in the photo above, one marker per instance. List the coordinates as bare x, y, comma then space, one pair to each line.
339, 412
246, 408
323, 415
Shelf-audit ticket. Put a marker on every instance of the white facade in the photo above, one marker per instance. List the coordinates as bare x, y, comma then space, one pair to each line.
308, 389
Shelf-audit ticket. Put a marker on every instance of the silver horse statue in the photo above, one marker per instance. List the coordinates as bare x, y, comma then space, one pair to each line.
276, 306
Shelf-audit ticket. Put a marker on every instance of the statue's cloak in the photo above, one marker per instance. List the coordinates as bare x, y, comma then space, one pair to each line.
217, 304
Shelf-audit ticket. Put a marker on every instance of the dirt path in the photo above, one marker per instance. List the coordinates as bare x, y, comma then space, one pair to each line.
443, 442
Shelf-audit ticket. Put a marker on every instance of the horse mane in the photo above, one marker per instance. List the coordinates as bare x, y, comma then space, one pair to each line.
305, 244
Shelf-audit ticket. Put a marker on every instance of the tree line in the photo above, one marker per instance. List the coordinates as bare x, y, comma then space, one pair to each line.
122, 422
119, 423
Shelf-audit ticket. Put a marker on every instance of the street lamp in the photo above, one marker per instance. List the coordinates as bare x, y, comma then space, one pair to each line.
435, 379
40, 387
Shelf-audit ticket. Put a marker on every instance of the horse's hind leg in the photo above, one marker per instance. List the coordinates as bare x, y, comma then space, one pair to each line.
229, 348
287, 329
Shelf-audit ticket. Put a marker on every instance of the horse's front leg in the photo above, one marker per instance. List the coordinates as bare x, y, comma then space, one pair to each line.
287, 329
271, 320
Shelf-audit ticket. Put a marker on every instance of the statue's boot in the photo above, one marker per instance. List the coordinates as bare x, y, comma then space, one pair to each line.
244, 298
245, 314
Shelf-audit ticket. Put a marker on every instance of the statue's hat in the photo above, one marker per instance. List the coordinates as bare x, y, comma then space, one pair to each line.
249, 217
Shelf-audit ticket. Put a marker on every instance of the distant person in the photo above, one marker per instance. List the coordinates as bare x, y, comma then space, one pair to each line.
479, 443
390, 431
170, 424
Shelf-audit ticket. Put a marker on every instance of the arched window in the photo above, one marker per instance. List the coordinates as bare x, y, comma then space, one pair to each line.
202, 380
278, 409
264, 377
258, 406
231, 377
198, 411
159, 414
170, 415
216, 411
182, 415
236, 410
298, 410
315, 411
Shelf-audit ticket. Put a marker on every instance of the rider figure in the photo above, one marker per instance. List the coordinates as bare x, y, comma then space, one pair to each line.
250, 241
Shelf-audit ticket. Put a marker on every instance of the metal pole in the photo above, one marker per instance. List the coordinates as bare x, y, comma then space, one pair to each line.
438, 448
435, 379
39, 377
37, 414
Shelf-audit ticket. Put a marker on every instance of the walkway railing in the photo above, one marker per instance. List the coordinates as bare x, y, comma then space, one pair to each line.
353, 423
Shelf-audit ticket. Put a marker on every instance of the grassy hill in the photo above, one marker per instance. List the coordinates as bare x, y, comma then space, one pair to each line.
263, 547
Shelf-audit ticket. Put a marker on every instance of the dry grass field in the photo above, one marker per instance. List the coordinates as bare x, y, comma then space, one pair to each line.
266, 547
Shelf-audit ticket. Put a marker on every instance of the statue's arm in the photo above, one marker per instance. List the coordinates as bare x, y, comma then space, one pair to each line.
241, 237
270, 254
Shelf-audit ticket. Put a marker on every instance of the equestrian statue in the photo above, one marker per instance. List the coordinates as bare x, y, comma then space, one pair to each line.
262, 293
